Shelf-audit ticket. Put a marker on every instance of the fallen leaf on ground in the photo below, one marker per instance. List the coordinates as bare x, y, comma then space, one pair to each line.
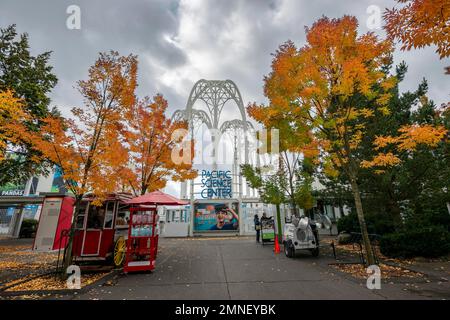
387, 271
52, 282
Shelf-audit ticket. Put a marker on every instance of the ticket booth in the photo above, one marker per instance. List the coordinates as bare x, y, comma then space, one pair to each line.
56, 216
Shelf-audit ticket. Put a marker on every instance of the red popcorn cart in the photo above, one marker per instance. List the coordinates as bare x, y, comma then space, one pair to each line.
143, 231
101, 231
142, 243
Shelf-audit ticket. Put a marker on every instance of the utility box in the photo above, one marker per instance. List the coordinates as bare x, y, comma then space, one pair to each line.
56, 216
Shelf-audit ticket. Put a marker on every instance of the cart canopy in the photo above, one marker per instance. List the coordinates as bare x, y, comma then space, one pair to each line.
157, 198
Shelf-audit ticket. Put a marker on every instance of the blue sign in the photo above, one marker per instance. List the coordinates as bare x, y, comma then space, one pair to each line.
216, 184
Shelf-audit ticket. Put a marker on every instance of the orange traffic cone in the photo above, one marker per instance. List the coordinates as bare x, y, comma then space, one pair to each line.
277, 245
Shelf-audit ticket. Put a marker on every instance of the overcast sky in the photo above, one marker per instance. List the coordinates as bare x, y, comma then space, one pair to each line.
180, 42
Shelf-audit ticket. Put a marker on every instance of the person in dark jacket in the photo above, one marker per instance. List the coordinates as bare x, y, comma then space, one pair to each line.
265, 217
257, 226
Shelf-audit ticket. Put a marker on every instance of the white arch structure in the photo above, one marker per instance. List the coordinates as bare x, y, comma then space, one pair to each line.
215, 94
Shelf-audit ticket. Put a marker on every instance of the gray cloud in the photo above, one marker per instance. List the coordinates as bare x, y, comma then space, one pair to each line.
179, 42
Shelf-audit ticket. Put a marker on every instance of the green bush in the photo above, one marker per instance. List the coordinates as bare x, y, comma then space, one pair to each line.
420, 240
348, 223
376, 223
429, 217
28, 228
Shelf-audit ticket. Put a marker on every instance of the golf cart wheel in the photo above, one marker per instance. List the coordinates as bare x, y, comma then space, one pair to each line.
315, 252
119, 252
288, 249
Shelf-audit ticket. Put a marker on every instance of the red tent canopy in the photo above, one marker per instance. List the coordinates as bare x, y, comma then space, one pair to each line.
157, 198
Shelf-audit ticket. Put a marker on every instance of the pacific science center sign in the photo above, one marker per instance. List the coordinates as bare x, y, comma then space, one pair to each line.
216, 215
216, 184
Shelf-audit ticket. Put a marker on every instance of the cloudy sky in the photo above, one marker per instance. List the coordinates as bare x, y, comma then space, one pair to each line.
180, 42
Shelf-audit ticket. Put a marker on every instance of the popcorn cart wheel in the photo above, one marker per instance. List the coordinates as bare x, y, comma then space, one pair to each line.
120, 248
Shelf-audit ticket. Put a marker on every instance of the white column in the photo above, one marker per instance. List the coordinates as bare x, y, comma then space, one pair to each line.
191, 222
183, 191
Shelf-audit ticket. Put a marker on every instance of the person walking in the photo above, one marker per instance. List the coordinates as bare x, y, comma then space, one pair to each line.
257, 227
265, 217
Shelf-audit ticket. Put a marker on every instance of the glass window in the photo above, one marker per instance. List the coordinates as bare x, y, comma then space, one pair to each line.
123, 215
96, 217
109, 214
5, 219
81, 214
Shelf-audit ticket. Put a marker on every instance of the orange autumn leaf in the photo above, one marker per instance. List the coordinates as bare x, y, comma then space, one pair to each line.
420, 23
12, 121
330, 169
382, 160
383, 141
310, 150
366, 112
412, 136
409, 139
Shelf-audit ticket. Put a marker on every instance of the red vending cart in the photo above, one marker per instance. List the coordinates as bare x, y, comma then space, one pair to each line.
143, 231
142, 240
101, 231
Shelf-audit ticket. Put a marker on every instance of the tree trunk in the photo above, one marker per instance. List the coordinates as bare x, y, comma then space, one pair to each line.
68, 257
280, 232
294, 208
370, 258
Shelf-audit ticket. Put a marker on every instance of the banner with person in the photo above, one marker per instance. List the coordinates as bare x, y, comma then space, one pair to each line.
216, 216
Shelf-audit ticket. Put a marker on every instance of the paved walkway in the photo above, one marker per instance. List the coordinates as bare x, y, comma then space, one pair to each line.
238, 268
17, 260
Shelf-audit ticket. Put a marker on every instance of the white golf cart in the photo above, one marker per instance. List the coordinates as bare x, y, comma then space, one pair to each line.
301, 234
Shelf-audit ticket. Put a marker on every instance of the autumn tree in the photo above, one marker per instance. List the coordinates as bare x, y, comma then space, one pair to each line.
269, 189
88, 148
330, 90
30, 79
290, 181
418, 182
420, 23
150, 138
295, 180
315, 88
295, 164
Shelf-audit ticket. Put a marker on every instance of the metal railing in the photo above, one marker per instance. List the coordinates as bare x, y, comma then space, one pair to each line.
356, 239
65, 233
